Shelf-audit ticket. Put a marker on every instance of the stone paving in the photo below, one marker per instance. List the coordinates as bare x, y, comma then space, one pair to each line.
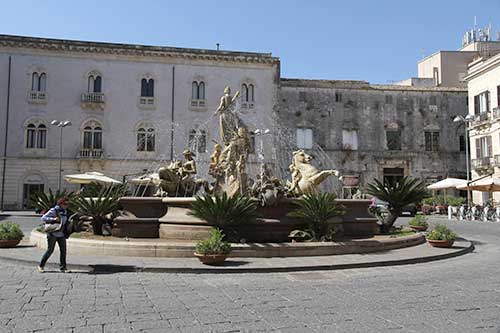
454, 295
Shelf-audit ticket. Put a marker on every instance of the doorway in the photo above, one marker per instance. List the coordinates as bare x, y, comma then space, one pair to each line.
393, 174
28, 191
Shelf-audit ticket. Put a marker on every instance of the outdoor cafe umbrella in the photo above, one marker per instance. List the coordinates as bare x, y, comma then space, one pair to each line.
447, 183
488, 184
90, 177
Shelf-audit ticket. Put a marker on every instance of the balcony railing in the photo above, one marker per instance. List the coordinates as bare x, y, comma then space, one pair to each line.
247, 105
481, 162
496, 160
93, 98
37, 96
146, 102
91, 153
198, 103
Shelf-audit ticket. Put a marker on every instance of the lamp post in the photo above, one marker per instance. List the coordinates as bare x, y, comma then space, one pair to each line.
61, 125
466, 120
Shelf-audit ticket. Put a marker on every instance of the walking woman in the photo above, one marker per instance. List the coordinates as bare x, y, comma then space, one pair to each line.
57, 217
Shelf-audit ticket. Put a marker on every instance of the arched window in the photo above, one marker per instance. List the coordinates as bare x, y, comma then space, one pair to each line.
198, 90
147, 87
38, 81
244, 92
34, 81
250, 93
94, 83
145, 139
198, 141
92, 136
36, 136
42, 82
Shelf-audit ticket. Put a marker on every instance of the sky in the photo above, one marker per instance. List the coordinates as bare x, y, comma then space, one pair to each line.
379, 41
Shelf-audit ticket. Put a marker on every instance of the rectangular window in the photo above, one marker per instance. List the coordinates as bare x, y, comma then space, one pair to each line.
498, 96
432, 100
350, 139
432, 141
388, 99
482, 103
393, 140
462, 143
302, 96
484, 147
304, 138
338, 97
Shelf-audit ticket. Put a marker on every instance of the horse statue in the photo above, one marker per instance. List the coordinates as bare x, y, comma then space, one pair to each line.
305, 177
174, 183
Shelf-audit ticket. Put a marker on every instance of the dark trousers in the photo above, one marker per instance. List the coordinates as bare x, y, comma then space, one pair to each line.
51, 241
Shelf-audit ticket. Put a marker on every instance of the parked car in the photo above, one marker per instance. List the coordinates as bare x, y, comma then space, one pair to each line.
408, 210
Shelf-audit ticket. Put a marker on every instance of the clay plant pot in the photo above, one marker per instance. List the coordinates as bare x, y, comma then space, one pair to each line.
211, 259
9, 242
418, 227
440, 243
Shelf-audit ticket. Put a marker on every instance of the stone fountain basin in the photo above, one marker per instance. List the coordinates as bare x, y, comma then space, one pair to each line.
168, 218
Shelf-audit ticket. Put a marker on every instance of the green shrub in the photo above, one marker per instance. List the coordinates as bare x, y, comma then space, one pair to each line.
419, 221
214, 244
10, 231
441, 232
455, 201
45, 201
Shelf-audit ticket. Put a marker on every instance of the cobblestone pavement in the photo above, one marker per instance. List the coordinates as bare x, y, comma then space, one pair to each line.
454, 295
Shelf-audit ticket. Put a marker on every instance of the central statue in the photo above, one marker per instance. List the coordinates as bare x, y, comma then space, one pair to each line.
229, 121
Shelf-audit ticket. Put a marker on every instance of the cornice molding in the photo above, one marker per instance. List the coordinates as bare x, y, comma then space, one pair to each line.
63, 46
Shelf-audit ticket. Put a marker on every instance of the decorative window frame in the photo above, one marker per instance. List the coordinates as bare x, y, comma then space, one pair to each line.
147, 102
93, 122
188, 131
146, 124
89, 99
36, 96
35, 150
247, 105
198, 104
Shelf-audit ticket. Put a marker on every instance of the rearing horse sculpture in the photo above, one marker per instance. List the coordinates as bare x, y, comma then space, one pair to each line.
305, 177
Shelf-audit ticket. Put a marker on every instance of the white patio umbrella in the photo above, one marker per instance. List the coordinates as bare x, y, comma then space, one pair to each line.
488, 184
447, 183
90, 177
147, 179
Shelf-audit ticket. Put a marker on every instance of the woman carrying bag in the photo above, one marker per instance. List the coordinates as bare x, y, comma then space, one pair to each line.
55, 226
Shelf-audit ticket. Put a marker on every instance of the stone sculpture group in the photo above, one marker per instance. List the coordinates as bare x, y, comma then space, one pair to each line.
228, 164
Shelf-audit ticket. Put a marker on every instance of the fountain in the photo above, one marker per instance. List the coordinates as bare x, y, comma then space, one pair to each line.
166, 215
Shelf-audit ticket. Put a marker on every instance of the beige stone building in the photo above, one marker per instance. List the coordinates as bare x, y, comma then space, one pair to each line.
483, 82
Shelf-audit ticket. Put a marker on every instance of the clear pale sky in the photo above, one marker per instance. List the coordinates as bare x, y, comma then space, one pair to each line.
378, 41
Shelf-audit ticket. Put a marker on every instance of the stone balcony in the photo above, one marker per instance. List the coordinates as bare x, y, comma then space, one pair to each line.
198, 104
93, 101
37, 97
496, 112
91, 153
483, 165
146, 102
247, 105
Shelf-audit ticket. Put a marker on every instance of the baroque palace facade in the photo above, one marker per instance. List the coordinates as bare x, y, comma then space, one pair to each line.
134, 108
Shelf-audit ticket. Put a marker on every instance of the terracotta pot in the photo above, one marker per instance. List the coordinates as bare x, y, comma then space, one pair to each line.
211, 259
9, 242
440, 243
418, 227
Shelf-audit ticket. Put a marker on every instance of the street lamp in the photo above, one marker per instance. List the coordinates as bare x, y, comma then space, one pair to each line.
61, 125
466, 120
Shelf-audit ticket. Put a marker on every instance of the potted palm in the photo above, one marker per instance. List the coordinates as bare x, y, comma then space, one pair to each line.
398, 194
419, 223
10, 234
213, 250
441, 236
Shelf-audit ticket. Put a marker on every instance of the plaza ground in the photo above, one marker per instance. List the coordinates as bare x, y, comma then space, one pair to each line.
461, 294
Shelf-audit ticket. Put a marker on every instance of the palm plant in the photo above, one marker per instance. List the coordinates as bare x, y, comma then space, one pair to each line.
223, 211
105, 202
316, 210
397, 194
44, 201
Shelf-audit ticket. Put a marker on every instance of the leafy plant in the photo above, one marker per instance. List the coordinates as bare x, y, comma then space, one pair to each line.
214, 244
397, 194
104, 203
44, 201
419, 221
10, 231
441, 232
223, 211
316, 210
456, 201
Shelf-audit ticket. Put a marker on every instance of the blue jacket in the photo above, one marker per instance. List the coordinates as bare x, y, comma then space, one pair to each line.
50, 217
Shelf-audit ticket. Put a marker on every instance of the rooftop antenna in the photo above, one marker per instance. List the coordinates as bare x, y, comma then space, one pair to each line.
217, 46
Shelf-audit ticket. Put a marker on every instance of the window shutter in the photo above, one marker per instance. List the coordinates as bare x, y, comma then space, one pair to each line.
489, 146
478, 148
487, 95
476, 105
300, 138
498, 96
